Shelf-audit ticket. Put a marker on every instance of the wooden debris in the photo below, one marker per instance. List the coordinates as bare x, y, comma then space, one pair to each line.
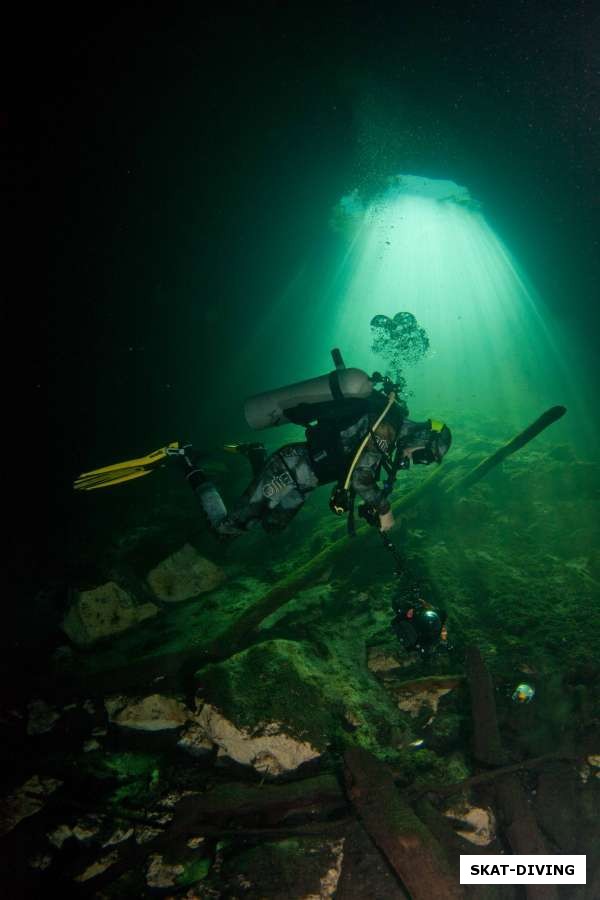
265, 804
519, 822
446, 790
487, 748
546, 419
410, 848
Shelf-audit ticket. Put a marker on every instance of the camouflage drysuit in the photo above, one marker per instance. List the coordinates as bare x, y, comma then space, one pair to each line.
283, 480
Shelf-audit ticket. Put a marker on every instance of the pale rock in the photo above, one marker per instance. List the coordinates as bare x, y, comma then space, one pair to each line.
87, 828
144, 833
102, 611
329, 881
162, 875
412, 696
381, 660
118, 836
269, 751
26, 801
101, 865
479, 821
195, 842
153, 713
194, 741
59, 835
184, 575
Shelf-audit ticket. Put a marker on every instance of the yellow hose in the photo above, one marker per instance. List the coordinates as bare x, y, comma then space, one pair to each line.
392, 398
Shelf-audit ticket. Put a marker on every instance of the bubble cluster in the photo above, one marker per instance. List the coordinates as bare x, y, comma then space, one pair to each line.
400, 342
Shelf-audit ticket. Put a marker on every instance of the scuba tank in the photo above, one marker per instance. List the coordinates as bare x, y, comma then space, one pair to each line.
302, 402
325, 406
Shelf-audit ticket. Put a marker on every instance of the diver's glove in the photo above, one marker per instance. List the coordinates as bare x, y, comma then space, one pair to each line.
381, 520
386, 520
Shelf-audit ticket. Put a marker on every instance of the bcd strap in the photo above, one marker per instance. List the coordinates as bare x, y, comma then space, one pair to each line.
334, 385
351, 525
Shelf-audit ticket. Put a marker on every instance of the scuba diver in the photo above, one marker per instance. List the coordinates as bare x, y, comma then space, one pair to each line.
353, 431
419, 625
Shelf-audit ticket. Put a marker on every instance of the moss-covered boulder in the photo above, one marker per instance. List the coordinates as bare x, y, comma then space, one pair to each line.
276, 687
321, 696
293, 869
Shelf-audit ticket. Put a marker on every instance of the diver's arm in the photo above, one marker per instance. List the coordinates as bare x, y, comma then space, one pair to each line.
364, 482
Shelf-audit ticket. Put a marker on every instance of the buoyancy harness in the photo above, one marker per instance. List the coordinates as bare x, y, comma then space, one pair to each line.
326, 407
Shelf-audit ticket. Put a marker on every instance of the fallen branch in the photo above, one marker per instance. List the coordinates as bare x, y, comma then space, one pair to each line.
551, 415
446, 790
411, 849
269, 803
520, 825
487, 748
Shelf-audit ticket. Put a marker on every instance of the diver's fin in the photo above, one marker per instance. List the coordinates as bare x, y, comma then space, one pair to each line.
123, 471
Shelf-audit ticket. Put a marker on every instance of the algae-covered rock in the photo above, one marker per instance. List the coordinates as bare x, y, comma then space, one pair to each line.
266, 706
183, 575
293, 869
102, 611
29, 799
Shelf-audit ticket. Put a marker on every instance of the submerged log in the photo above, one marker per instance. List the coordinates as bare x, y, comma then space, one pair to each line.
267, 803
520, 826
413, 852
487, 748
551, 415
446, 790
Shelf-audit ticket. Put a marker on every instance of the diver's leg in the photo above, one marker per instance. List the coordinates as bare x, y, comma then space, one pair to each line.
254, 453
211, 502
257, 457
288, 491
272, 499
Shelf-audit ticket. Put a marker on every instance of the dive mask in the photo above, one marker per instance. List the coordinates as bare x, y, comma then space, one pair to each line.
425, 456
